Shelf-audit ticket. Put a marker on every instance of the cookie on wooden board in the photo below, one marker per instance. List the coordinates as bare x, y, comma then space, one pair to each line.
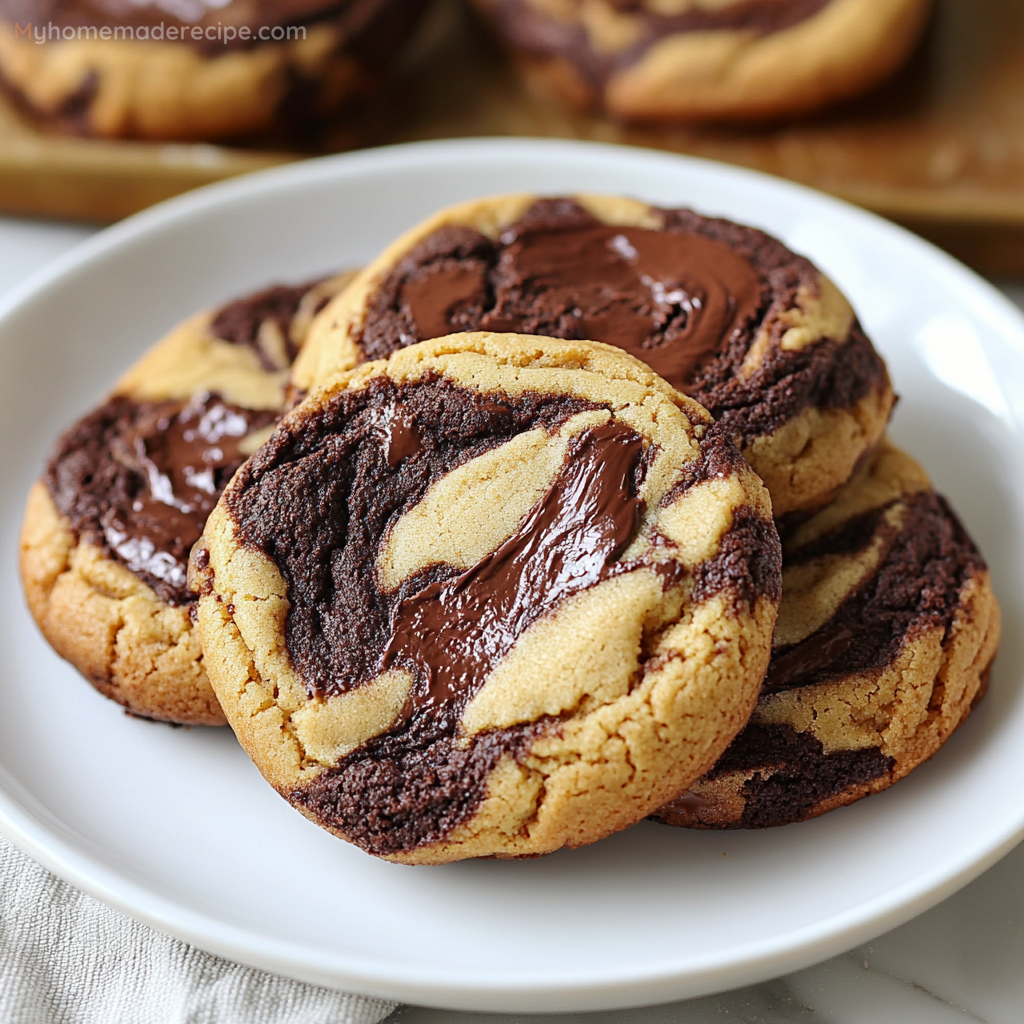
703, 60
193, 70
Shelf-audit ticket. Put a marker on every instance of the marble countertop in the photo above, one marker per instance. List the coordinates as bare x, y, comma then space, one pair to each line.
961, 961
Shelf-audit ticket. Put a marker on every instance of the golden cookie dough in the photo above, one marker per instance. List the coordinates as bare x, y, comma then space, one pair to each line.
724, 312
115, 608
702, 60
884, 643
493, 596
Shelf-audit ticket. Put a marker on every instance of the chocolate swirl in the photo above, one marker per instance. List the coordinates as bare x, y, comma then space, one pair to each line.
538, 35
925, 563
668, 298
325, 497
318, 500
689, 300
917, 586
452, 634
247, 322
793, 773
139, 479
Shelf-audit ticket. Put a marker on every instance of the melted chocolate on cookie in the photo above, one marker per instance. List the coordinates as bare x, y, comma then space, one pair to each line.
538, 35
452, 634
319, 499
139, 479
688, 300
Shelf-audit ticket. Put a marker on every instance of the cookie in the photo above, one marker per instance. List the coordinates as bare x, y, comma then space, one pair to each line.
884, 643
127, 489
723, 312
474, 600
187, 70
705, 59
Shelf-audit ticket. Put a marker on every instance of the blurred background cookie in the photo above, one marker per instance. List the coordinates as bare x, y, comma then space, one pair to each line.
705, 59
126, 492
725, 313
185, 69
495, 596
884, 643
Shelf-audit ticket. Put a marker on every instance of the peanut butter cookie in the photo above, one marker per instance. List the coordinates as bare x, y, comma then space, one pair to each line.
126, 492
195, 69
725, 313
493, 596
884, 643
705, 59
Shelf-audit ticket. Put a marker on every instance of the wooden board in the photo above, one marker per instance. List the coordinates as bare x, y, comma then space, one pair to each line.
86, 179
939, 148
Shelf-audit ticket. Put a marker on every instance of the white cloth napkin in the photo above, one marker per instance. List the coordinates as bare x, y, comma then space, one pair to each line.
67, 959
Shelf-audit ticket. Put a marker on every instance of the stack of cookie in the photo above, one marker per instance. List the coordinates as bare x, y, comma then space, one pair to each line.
586, 514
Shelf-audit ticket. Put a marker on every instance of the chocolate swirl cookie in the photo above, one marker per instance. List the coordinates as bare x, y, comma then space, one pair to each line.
195, 69
885, 638
725, 313
705, 59
107, 531
494, 596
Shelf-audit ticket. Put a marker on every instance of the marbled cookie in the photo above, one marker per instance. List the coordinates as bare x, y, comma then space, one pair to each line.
885, 638
723, 312
494, 596
126, 492
705, 59
195, 69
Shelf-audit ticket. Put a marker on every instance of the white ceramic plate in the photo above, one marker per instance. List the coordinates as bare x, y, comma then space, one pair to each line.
176, 827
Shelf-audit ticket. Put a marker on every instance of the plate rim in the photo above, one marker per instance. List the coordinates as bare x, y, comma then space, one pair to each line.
46, 842
805, 947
